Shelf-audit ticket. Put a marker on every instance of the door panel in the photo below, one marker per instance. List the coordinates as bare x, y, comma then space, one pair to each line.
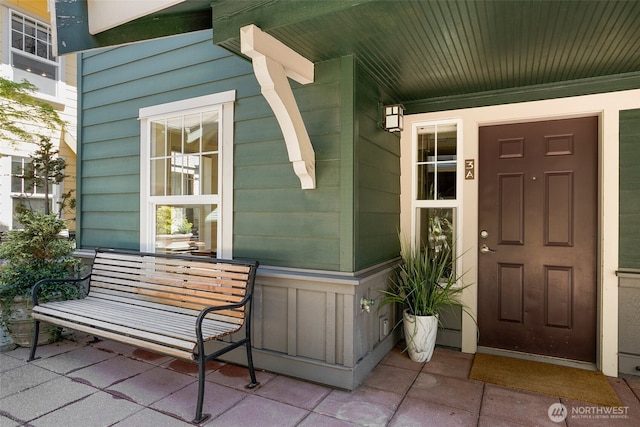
538, 206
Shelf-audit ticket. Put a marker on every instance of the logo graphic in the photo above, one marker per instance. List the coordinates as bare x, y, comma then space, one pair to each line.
557, 412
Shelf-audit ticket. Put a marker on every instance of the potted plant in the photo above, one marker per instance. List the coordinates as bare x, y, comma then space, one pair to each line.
424, 283
28, 255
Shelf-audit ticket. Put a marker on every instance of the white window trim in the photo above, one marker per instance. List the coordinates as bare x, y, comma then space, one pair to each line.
6, 70
456, 203
224, 102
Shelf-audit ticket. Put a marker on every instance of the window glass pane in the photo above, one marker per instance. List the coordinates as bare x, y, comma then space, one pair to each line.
426, 144
16, 175
447, 145
158, 142
446, 181
210, 131
426, 182
32, 65
174, 179
16, 23
436, 232
191, 175
157, 169
209, 167
174, 135
17, 35
187, 229
192, 133
29, 27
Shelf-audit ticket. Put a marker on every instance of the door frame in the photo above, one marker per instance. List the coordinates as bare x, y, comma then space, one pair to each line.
606, 107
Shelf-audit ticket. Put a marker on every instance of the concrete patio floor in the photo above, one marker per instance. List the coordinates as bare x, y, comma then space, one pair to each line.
80, 383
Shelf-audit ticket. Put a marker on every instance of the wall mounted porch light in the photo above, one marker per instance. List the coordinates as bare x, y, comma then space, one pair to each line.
393, 117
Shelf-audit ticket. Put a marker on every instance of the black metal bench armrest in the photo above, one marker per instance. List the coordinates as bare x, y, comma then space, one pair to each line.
210, 309
36, 288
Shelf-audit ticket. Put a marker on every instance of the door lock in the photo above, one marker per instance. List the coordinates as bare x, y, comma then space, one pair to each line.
484, 249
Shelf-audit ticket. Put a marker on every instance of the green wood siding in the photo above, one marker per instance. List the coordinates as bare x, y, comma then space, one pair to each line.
114, 85
347, 223
629, 256
275, 220
377, 177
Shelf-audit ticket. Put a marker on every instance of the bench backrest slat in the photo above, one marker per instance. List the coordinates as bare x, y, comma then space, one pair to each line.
183, 282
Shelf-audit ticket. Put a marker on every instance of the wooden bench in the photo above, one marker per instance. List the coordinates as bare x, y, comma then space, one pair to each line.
170, 304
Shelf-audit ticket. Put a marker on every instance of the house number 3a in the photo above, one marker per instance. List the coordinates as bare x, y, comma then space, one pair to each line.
469, 169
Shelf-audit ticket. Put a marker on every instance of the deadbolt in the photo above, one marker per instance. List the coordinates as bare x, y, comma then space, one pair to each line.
484, 234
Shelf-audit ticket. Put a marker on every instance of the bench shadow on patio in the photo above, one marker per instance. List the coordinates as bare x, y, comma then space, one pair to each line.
79, 382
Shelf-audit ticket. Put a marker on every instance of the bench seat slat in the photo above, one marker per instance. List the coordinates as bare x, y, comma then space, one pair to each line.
173, 296
212, 293
156, 306
138, 298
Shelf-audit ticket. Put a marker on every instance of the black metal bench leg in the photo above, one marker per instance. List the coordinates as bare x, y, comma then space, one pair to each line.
34, 343
201, 371
252, 371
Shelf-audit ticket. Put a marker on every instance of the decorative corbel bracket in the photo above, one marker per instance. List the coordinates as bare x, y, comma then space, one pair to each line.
273, 62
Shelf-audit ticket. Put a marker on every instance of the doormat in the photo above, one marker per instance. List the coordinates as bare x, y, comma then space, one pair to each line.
560, 381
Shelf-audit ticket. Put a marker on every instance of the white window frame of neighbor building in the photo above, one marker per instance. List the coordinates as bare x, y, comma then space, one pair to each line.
39, 67
222, 105
422, 199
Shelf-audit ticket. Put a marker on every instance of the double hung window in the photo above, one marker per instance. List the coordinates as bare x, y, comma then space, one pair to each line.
186, 176
24, 191
435, 185
30, 53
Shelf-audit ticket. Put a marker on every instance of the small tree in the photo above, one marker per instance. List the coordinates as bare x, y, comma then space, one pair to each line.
19, 111
18, 107
47, 169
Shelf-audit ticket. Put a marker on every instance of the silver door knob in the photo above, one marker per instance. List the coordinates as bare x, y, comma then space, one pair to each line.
484, 249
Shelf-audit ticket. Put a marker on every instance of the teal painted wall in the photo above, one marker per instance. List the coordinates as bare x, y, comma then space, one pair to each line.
113, 85
377, 178
347, 223
275, 220
629, 256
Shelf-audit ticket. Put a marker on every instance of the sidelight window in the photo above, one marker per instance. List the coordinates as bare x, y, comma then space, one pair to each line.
436, 146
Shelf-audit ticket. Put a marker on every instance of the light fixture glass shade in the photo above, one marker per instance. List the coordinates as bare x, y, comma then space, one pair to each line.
393, 115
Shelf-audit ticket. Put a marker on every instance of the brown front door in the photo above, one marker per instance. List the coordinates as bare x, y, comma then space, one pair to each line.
538, 228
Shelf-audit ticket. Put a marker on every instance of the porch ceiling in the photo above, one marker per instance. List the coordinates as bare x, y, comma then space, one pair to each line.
429, 49
416, 49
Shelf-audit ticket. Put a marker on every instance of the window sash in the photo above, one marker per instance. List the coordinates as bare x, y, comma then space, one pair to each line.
218, 205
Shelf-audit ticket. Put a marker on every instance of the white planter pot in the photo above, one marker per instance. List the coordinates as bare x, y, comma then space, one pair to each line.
420, 333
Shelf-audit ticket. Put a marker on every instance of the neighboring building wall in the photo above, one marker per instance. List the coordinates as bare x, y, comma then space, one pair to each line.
629, 264
65, 104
